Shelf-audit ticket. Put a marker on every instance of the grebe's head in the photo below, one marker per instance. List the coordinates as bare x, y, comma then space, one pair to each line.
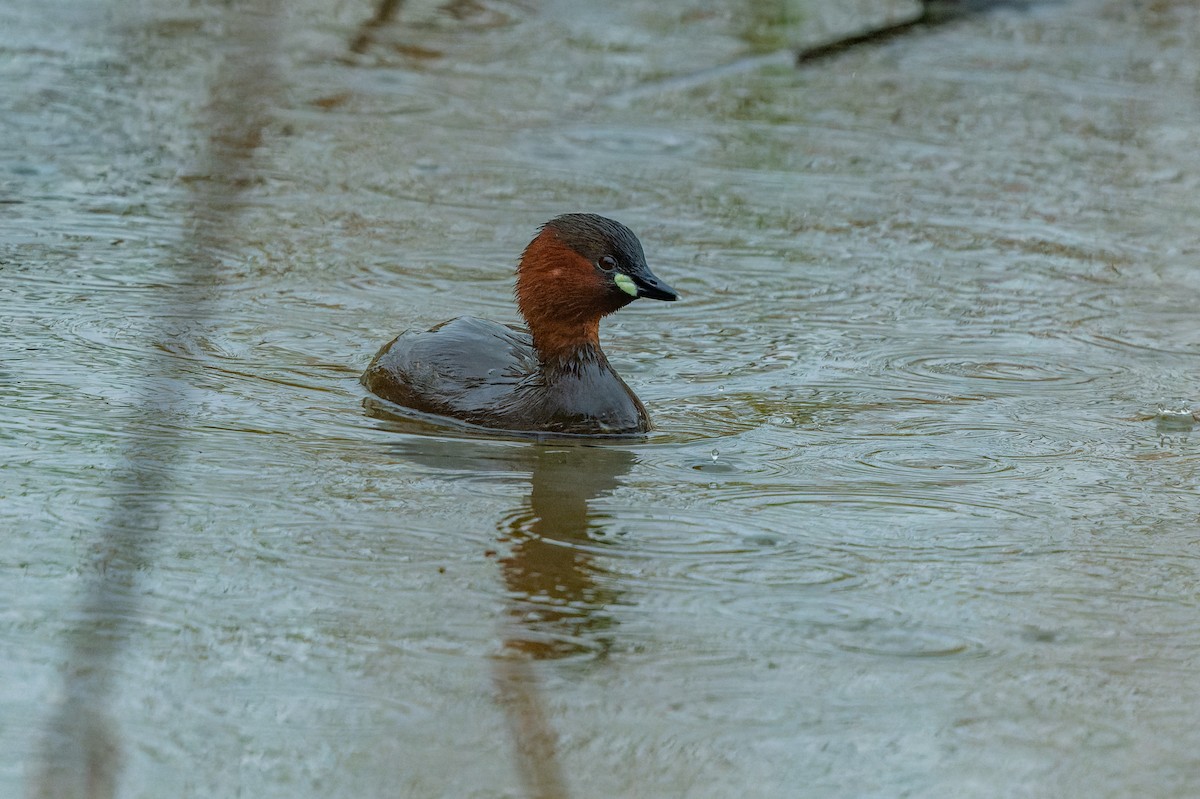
579, 268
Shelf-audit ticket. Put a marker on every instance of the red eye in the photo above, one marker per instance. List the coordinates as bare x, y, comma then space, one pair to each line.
607, 263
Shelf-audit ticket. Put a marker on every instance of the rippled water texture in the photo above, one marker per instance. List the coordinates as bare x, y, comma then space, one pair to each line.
920, 515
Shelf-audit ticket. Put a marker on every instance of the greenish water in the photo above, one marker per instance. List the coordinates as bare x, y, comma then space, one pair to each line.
912, 523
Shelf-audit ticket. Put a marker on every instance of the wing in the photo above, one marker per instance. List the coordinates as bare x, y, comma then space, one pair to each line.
465, 368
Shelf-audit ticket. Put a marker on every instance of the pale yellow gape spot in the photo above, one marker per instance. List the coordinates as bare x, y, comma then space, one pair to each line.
625, 284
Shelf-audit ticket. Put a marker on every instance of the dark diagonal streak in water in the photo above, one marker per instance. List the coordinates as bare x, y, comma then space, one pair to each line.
932, 14
79, 754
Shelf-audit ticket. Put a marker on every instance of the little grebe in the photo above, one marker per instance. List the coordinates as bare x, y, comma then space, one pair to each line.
553, 378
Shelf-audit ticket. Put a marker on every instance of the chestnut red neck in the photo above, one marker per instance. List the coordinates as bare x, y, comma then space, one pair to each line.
562, 299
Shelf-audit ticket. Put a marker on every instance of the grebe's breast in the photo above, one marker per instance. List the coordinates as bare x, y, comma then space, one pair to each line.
488, 374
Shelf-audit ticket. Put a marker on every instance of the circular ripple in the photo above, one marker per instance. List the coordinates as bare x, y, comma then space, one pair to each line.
931, 461
995, 370
1003, 375
799, 570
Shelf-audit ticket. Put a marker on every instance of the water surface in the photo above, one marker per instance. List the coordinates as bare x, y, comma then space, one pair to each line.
912, 523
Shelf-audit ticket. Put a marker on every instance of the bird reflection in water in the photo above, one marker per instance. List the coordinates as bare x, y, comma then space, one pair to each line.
558, 594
